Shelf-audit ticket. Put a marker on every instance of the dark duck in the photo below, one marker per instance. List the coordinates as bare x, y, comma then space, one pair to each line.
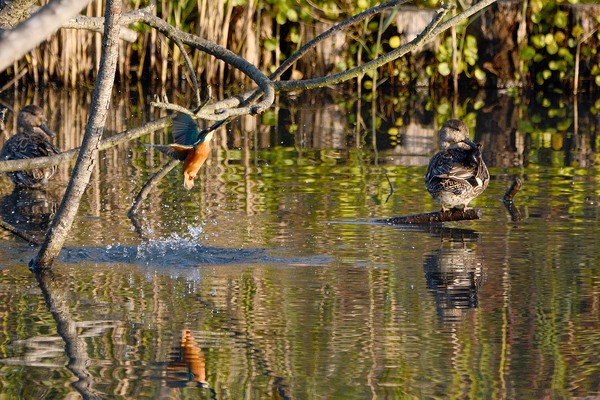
457, 173
33, 139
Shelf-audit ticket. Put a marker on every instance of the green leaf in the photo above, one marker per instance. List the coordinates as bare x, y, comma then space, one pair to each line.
527, 53
394, 42
281, 18
270, 44
444, 69
546, 74
292, 15
479, 74
552, 48
560, 19
269, 118
538, 41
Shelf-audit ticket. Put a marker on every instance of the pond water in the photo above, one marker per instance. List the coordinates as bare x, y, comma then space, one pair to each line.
270, 279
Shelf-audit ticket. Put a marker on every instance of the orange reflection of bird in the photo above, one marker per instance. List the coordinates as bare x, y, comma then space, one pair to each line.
193, 356
191, 146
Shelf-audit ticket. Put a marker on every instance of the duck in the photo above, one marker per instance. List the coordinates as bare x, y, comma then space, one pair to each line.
33, 139
456, 174
192, 146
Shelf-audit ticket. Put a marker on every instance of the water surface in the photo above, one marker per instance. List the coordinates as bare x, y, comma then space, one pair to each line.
270, 279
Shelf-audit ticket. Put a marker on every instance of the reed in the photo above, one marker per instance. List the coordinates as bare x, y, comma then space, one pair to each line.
262, 32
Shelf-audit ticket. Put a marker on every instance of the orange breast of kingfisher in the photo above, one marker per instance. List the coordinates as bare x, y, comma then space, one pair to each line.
193, 162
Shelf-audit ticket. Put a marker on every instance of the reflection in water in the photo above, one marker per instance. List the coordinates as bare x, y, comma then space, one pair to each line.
283, 304
187, 363
72, 332
29, 210
454, 273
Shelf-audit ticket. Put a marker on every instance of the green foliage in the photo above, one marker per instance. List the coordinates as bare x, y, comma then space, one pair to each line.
547, 55
553, 43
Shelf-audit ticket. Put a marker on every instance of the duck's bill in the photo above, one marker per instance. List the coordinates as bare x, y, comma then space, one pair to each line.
47, 130
471, 143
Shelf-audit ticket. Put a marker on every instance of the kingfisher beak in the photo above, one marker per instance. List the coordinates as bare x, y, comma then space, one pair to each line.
188, 182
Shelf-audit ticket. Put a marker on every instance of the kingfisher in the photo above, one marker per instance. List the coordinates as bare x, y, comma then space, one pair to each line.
33, 139
457, 173
192, 146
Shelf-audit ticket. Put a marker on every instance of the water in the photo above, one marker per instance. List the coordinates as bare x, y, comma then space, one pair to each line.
271, 280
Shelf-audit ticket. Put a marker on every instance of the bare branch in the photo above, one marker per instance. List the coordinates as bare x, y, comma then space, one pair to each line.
212, 112
144, 191
334, 29
66, 156
96, 24
434, 28
16, 42
14, 12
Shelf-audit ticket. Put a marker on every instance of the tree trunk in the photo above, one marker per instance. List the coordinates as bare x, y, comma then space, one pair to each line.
63, 220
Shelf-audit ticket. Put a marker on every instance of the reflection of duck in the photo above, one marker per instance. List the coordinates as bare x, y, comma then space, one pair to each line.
454, 274
191, 146
29, 209
33, 139
457, 173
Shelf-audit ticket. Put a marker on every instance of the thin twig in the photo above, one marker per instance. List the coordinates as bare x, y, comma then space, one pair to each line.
389, 183
334, 29
22, 234
145, 190
507, 200
512, 190
190, 68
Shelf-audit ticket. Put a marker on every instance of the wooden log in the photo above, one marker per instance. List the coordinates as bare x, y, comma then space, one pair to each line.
434, 216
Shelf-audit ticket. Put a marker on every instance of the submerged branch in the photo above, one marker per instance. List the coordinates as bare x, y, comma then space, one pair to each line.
512, 190
17, 232
145, 190
434, 216
507, 200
